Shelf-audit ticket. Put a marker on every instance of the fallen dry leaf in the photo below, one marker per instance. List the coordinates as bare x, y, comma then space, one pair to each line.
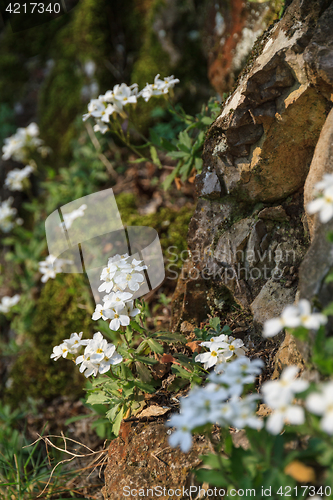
194, 346
167, 358
153, 411
178, 183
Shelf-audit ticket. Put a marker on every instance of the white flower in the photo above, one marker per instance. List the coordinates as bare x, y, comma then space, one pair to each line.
71, 216
111, 357
118, 298
118, 316
159, 87
99, 313
130, 309
59, 351
8, 302
132, 281
100, 127
322, 404
15, 178
323, 204
236, 347
326, 182
222, 349
284, 413
22, 143
182, 436
69, 346
51, 266
294, 316
244, 412
216, 342
89, 68
98, 356
6, 215
282, 391
208, 358
122, 95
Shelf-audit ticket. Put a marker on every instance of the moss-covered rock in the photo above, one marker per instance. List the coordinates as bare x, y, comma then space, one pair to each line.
57, 315
171, 225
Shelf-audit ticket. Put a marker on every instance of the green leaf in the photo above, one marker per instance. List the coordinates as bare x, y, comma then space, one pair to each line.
146, 361
207, 120
143, 372
198, 164
328, 311
154, 157
178, 154
170, 337
155, 346
169, 180
185, 139
117, 422
138, 160
97, 398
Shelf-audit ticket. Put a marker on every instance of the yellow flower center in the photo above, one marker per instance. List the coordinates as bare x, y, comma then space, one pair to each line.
99, 350
231, 347
116, 316
213, 353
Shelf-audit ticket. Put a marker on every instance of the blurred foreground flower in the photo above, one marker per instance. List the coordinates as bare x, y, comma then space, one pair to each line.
6, 215
49, 268
324, 203
294, 316
8, 302
24, 142
321, 403
15, 178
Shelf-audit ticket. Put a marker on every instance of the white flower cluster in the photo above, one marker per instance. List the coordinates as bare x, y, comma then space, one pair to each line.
279, 396
98, 354
22, 143
122, 273
294, 316
49, 268
221, 350
113, 101
218, 403
8, 302
324, 203
71, 216
6, 215
15, 178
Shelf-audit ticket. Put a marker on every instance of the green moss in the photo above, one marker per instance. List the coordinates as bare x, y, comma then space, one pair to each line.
57, 315
171, 225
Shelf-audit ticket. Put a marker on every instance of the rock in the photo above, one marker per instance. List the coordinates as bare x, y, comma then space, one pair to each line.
236, 25
259, 231
273, 213
270, 302
287, 354
322, 163
231, 245
318, 55
263, 121
142, 458
209, 185
317, 264
189, 301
